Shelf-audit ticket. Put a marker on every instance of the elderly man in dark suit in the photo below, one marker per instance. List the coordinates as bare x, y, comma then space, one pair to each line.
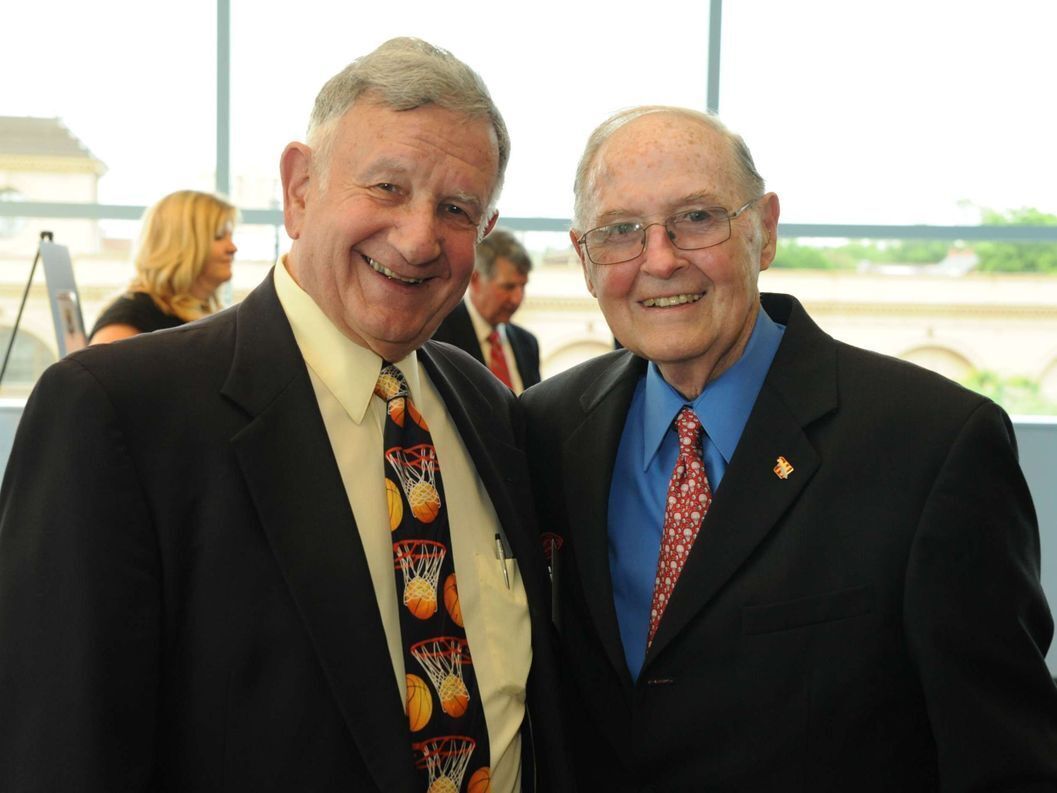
223, 563
782, 563
481, 323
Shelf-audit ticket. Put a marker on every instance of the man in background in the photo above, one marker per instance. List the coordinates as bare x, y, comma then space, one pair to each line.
481, 323
783, 563
228, 552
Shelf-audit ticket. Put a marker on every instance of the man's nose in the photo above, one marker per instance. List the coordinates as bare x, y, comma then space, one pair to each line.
662, 258
414, 234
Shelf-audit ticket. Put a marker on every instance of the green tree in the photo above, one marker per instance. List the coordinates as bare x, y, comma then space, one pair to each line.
1004, 257
794, 256
1017, 394
1017, 257
897, 251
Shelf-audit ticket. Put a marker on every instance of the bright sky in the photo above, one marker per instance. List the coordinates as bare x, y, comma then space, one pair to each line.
886, 112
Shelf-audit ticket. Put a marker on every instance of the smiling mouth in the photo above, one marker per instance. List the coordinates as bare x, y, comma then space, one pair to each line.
674, 300
378, 267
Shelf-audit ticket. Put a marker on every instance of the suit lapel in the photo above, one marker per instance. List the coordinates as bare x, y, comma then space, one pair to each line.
527, 367
588, 457
289, 468
463, 333
747, 505
800, 387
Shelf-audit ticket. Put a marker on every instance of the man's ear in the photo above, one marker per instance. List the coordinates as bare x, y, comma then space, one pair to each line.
585, 264
294, 167
769, 211
490, 224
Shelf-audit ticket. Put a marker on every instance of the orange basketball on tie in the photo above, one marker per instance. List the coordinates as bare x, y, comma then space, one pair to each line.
416, 416
424, 501
451, 600
420, 598
419, 703
395, 408
443, 784
454, 698
480, 781
394, 503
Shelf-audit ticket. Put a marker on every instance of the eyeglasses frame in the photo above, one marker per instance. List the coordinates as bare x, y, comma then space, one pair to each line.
728, 216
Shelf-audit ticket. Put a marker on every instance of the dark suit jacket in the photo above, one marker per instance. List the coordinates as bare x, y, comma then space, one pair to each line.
185, 604
874, 622
457, 329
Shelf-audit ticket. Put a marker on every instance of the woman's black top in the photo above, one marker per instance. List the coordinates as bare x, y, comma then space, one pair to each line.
138, 310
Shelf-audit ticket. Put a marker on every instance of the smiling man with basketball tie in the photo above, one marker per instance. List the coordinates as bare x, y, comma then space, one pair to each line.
291, 548
784, 564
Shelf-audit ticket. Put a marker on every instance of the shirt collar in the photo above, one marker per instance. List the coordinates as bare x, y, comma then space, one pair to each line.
723, 407
481, 327
347, 369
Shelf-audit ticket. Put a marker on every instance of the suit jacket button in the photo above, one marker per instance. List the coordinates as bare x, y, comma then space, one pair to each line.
660, 681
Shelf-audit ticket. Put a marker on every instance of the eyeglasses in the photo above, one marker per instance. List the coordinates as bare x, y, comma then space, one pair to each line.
689, 230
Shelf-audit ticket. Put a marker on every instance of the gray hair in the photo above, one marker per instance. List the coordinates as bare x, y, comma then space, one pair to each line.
501, 244
586, 171
406, 73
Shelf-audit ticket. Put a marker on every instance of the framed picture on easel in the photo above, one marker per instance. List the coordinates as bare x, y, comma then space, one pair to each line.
62, 292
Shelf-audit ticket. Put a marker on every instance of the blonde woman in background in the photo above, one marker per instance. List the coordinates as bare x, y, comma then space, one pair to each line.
184, 256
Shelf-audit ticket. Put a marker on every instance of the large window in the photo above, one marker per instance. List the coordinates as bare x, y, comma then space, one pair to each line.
895, 112
904, 139
555, 69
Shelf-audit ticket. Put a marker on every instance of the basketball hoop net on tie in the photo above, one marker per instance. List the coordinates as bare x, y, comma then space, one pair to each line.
419, 561
446, 759
416, 467
442, 659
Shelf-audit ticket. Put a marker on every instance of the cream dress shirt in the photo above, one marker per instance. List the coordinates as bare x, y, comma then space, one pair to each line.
496, 616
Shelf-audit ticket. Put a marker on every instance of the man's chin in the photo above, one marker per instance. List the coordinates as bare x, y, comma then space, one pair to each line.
392, 351
399, 346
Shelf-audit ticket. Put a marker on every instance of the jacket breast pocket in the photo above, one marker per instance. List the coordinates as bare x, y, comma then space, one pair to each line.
811, 610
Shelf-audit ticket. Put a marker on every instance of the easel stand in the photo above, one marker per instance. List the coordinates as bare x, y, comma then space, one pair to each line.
44, 235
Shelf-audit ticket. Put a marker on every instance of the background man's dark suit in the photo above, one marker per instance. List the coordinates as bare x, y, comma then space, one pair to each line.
837, 630
205, 541
457, 329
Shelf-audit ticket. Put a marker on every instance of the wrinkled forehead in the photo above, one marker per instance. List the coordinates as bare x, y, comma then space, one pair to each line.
662, 156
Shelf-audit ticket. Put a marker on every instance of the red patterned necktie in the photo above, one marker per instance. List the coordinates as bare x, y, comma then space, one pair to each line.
689, 497
445, 714
497, 359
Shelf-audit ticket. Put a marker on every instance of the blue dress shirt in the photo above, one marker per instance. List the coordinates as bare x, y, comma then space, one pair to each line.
643, 468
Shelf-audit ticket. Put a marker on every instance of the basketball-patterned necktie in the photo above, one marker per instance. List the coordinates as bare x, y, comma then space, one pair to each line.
689, 497
449, 736
497, 359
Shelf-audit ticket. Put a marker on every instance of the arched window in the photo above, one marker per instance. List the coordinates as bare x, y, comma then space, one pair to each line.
29, 357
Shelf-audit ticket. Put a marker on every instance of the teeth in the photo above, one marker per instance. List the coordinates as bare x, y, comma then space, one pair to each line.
378, 267
674, 300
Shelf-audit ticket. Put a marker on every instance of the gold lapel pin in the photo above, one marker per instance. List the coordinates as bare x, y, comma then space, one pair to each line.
783, 468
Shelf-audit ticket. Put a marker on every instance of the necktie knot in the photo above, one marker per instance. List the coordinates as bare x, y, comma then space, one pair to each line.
688, 426
391, 383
